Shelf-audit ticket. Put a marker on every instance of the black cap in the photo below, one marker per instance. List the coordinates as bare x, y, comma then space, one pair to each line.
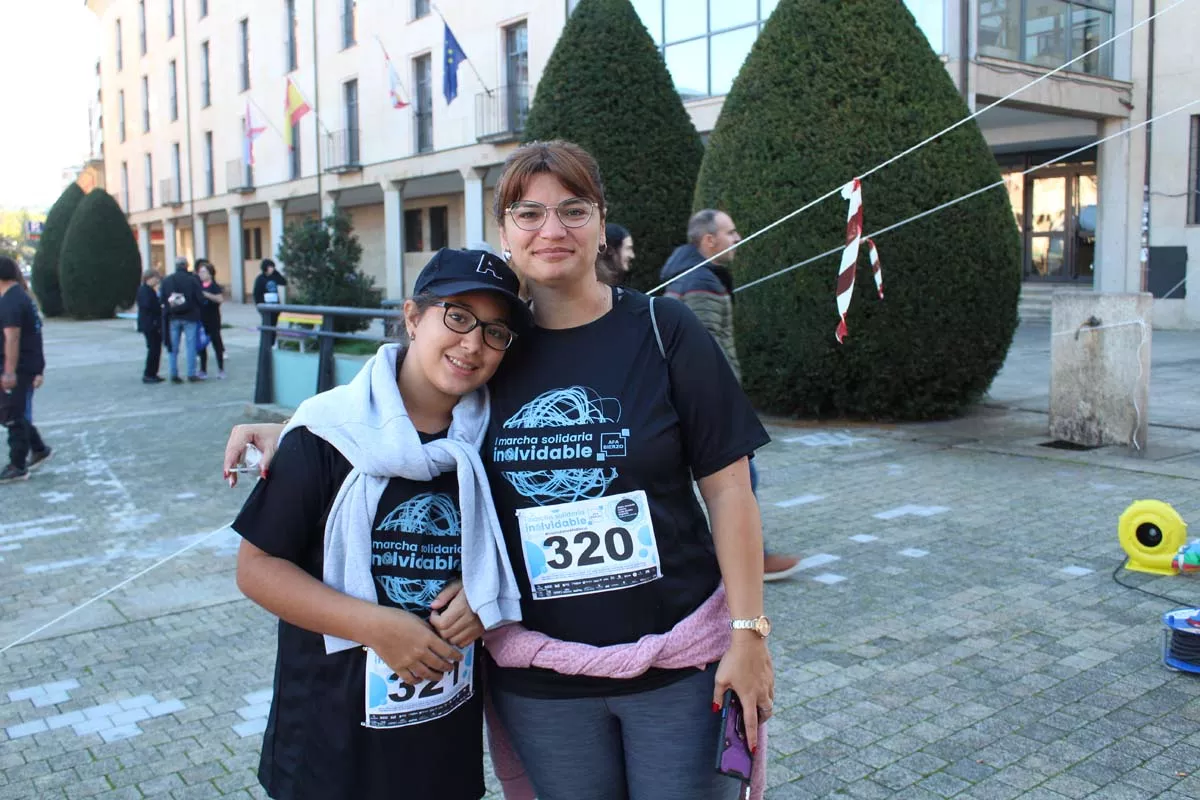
452, 272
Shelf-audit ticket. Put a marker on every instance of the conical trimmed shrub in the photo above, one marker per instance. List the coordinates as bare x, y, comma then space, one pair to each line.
607, 89
830, 89
44, 279
100, 266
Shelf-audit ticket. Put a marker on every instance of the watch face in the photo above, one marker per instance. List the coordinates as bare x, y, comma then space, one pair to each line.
763, 626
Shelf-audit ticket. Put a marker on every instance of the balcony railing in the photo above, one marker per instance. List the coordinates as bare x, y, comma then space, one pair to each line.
168, 192
423, 131
500, 116
341, 151
239, 176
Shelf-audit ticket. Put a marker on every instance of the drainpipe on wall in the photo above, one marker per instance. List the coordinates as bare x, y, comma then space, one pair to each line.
1145, 251
964, 53
187, 121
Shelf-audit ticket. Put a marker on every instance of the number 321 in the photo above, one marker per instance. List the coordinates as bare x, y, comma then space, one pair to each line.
618, 545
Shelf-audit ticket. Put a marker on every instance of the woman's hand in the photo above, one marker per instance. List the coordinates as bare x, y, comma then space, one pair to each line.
453, 618
264, 436
410, 646
747, 669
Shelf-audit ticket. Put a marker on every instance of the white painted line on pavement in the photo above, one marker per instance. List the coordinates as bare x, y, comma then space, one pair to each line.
819, 560
149, 412
36, 533
914, 552
800, 501
827, 439
863, 538
916, 511
1076, 571
41, 521
828, 578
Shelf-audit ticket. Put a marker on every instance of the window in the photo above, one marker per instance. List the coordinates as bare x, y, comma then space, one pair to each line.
252, 243
414, 241
439, 227
210, 182
120, 50
423, 67
294, 153
420, 8
349, 24
293, 59
1047, 33
350, 104
149, 161
125, 186
176, 176
516, 75
244, 54
121, 114
1194, 175
205, 76
170, 19
145, 104
172, 90
203, 9
142, 25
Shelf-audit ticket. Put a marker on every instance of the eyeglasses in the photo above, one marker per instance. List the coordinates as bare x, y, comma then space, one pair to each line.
530, 215
460, 320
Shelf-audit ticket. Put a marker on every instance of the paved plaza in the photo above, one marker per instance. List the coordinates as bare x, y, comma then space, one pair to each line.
955, 632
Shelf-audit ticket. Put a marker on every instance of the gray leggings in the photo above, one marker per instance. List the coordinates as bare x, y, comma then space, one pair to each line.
655, 745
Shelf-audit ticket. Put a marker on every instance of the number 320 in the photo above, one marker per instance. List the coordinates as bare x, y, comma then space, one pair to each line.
618, 544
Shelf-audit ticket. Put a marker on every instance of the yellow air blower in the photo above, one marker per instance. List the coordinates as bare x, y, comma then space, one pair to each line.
1151, 533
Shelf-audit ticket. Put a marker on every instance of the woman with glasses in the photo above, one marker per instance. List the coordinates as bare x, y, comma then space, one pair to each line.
600, 421
376, 544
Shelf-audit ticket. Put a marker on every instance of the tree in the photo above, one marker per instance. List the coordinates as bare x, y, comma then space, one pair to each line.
322, 258
45, 277
830, 89
100, 268
606, 88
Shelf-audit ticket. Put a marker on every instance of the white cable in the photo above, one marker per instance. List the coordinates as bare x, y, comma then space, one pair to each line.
968, 196
109, 591
918, 146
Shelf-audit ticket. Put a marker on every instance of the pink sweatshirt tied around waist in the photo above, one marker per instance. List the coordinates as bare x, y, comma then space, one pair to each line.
697, 641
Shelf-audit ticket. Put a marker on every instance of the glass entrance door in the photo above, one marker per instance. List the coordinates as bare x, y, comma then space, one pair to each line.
1047, 240
1055, 211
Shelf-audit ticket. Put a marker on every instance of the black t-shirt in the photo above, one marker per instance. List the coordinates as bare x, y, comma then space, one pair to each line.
315, 745
210, 310
18, 311
589, 412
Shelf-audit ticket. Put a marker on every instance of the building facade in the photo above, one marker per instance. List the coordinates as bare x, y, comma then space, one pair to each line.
183, 80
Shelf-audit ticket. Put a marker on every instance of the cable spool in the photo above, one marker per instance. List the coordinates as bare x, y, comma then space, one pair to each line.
1181, 640
1151, 532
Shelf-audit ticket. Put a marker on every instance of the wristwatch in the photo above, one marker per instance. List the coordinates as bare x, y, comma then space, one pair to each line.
760, 625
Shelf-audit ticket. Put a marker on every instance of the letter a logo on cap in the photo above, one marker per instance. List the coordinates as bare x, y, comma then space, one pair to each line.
486, 269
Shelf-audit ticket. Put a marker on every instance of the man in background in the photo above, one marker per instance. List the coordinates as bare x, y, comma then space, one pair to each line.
22, 363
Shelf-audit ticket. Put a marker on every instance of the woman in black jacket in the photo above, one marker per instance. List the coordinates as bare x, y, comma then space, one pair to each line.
210, 316
150, 324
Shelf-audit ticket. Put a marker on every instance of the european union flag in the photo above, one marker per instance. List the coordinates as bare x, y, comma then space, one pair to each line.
454, 56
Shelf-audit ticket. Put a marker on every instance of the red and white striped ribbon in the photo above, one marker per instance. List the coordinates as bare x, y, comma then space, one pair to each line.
852, 192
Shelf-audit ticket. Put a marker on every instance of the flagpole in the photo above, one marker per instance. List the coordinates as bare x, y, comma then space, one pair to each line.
470, 63
316, 113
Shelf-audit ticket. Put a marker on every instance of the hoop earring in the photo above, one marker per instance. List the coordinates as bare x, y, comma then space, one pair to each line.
507, 255
603, 247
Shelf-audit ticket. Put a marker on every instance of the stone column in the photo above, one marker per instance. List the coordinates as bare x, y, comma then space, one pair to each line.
1113, 272
199, 236
144, 244
237, 264
169, 245
473, 206
278, 209
393, 237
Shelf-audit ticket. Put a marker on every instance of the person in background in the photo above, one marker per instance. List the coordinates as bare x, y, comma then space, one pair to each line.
614, 263
150, 324
22, 363
708, 292
210, 316
266, 290
181, 298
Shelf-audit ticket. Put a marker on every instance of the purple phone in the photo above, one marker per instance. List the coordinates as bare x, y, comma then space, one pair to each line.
733, 751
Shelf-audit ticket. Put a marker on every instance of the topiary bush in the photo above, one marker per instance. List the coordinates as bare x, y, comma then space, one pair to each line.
830, 89
100, 266
45, 278
322, 258
607, 89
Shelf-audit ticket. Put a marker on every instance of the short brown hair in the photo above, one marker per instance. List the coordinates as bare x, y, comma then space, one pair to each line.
573, 166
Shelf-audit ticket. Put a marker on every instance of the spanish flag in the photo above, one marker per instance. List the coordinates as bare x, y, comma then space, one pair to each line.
296, 108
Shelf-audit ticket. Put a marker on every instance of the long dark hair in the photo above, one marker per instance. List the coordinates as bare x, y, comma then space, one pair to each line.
608, 264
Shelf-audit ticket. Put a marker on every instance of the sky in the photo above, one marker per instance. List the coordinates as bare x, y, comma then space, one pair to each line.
47, 78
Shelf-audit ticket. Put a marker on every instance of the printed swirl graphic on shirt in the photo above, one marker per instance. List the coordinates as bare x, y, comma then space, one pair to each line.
409, 543
540, 445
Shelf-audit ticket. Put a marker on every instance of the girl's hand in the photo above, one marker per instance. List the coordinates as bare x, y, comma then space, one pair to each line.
264, 436
453, 618
410, 647
747, 669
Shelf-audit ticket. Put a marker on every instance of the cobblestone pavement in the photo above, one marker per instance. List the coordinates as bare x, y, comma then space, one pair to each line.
955, 631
